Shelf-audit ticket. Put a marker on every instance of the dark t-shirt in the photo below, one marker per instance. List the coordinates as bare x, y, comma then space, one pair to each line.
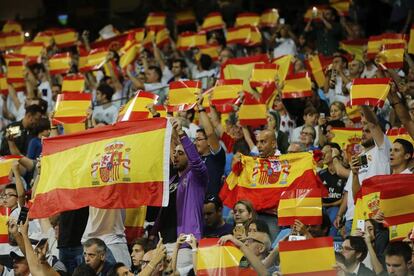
215, 165
334, 184
21, 141
210, 232
72, 224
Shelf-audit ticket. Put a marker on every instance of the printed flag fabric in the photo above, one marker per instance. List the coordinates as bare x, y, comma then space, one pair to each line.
4, 89
247, 19
155, 21
317, 257
400, 133
411, 41
392, 55
129, 55
182, 95
263, 73
73, 83
226, 91
185, 17
65, 37
262, 180
344, 136
297, 86
213, 21
162, 37
32, 50
354, 47
269, 18
354, 113
253, 112
15, 72
371, 92
70, 128
6, 163
104, 178
134, 223
114, 43
374, 46
400, 231
71, 108
44, 37
4, 232
244, 35
12, 26
96, 59
317, 65
284, 66
135, 108
14, 39
188, 40
214, 259
59, 64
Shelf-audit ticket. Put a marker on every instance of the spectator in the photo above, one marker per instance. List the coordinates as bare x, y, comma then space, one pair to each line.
139, 248
400, 156
287, 124
273, 123
296, 147
42, 130
214, 224
354, 250
243, 213
284, 42
105, 111
310, 117
398, 258
177, 69
336, 80
307, 137
84, 270
95, 255
119, 269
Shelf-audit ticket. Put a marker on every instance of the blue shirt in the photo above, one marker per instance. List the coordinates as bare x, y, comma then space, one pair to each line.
35, 148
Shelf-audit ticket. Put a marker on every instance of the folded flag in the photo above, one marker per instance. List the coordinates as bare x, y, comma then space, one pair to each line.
369, 91
104, 178
392, 55
65, 37
262, 180
400, 133
14, 39
73, 83
215, 259
185, 17
134, 223
155, 21
247, 19
317, 257
32, 50
285, 66
253, 112
263, 73
44, 37
136, 108
6, 163
182, 95
354, 47
59, 64
71, 108
269, 18
411, 41
297, 86
12, 26
188, 40
317, 65
210, 49
96, 59
4, 89
15, 72
226, 92
213, 21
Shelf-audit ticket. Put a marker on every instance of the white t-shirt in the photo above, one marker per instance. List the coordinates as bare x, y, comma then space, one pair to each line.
166, 75
17, 113
378, 164
105, 224
296, 135
286, 46
46, 92
108, 114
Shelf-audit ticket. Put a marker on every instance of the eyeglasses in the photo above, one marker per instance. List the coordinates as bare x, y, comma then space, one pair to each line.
8, 195
306, 133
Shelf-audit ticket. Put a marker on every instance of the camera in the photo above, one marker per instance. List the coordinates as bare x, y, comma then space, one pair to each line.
13, 131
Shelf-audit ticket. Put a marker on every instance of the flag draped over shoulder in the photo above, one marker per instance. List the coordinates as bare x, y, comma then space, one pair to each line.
135, 108
369, 91
307, 257
125, 165
262, 180
213, 259
6, 163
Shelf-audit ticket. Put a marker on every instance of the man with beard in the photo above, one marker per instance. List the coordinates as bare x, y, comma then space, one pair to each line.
354, 251
374, 160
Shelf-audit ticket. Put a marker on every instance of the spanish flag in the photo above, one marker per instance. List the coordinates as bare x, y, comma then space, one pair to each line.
185, 17
73, 83
44, 37
401, 133
238, 35
136, 108
354, 47
210, 49
263, 73
182, 95
269, 18
32, 50
317, 257
317, 65
137, 34
397, 199
4, 89
253, 112
392, 55
162, 110
71, 108
15, 72
134, 223
297, 86
65, 37
214, 259
302, 204
341, 6
247, 19
4, 218
129, 55
59, 64
14, 57
114, 43
369, 91
411, 41
96, 59
12, 26
2, 41
262, 180
344, 136
213, 21
188, 40
400, 231
14, 39
70, 128
6, 163
354, 113
284, 66
226, 91
162, 37
155, 21
374, 46
392, 38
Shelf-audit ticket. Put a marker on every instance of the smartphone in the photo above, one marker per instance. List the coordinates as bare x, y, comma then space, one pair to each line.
363, 161
314, 12
187, 238
281, 21
322, 115
361, 224
296, 238
44, 92
22, 215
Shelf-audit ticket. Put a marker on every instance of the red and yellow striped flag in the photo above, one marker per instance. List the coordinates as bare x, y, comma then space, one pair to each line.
136, 108
345, 137
399, 133
269, 18
32, 50
263, 73
341, 6
96, 59
188, 40
4, 89
13, 57
155, 21
210, 49
317, 257
134, 223
297, 86
162, 37
354, 47
411, 41
252, 112
354, 113
129, 55
374, 46
317, 65
6, 163
226, 91
44, 37
400, 231
14, 39
71, 108
59, 64
12, 26
393, 38
137, 34
2, 41
247, 19
69, 128
182, 95
73, 83
369, 91
285, 66
15, 72
215, 259
245, 35
4, 232
302, 204
392, 55
104, 178
185, 17
213, 21
162, 110
65, 37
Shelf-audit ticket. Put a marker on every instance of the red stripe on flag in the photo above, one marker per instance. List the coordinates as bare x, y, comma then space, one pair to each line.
69, 120
316, 273
307, 220
4, 180
400, 219
306, 244
4, 238
372, 81
133, 232
252, 122
367, 101
393, 192
294, 95
397, 131
229, 82
185, 84
75, 97
223, 271
300, 75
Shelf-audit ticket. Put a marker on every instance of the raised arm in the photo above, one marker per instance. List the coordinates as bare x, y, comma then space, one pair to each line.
205, 122
19, 184
373, 125
402, 112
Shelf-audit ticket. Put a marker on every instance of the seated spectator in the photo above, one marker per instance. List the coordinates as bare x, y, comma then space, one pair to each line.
140, 246
105, 111
119, 269
355, 250
307, 137
214, 224
243, 214
273, 123
95, 255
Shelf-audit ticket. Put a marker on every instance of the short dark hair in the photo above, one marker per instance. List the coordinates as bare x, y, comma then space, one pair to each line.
310, 110
215, 199
106, 90
157, 71
205, 62
334, 145
11, 186
44, 124
201, 130
145, 243
33, 109
399, 248
114, 269
181, 61
100, 244
261, 226
358, 244
84, 270
408, 147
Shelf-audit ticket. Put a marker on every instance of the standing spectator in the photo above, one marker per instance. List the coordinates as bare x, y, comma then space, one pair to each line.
400, 156
177, 69
307, 137
139, 247
287, 124
105, 111
273, 124
214, 224
336, 80
283, 41
398, 258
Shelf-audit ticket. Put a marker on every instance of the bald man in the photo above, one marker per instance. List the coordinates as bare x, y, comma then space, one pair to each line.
266, 143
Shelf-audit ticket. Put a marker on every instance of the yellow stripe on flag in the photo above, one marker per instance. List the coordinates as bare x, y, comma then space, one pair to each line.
249, 19
311, 260
296, 207
400, 231
73, 128
411, 41
32, 50
284, 63
218, 257
12, 26
73, 84
14, 39
212, 21
391, 207
269, 18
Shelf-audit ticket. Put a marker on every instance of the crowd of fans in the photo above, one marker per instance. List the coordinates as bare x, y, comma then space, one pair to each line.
204, 150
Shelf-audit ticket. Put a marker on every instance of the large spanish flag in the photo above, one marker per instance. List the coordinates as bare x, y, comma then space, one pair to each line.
6, 163
247, 18
182, 95
15, 72
136, 108
134, 223
185, 17
59, 64
213, 21
308, 257
392, 55
354, 47
253, 112
71, 108
125, 165
269, 18
65, 37
188, 40
14, 39
214, 259
369, 91
73, 83
401, 133
155, 21
226, 91
285, 66
262, 180
297, 86
263, 73
411, 41
32, 50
